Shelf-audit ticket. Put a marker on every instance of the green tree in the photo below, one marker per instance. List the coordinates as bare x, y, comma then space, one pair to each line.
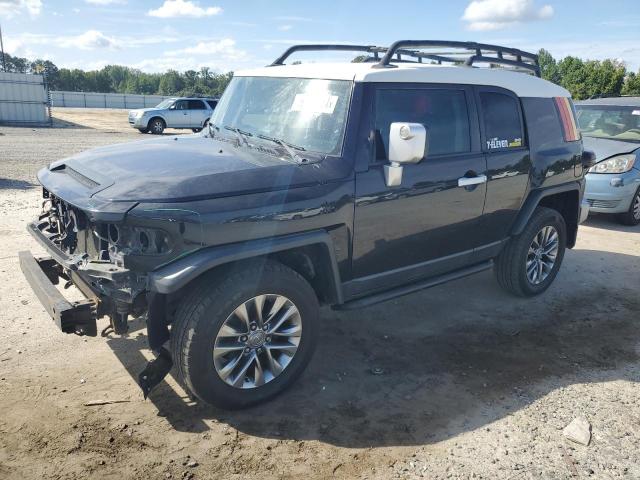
632, 84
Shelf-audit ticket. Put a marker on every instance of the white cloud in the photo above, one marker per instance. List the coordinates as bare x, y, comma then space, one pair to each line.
10, 8
89, 40
285, 28
183, 8
499, 14
106, 2
225, 48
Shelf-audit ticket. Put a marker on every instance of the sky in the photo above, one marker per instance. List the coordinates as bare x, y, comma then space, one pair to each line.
156, 35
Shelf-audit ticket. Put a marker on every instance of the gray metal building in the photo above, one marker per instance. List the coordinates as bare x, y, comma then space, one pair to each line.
24, 99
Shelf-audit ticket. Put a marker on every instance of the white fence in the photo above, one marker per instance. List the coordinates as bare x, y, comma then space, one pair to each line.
23, 99
103, 100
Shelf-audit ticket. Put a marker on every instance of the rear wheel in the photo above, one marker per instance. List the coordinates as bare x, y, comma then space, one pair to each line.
240, 339
156, 126
632, 217
530, 261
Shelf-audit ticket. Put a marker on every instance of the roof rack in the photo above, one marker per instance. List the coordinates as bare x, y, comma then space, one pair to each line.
466, 53
324, 47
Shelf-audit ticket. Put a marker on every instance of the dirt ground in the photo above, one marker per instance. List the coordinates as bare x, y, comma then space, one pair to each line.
474, 383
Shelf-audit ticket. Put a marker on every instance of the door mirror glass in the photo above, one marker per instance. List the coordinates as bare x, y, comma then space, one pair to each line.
408, 143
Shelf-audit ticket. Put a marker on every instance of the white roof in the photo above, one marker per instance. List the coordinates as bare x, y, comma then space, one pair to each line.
522, 84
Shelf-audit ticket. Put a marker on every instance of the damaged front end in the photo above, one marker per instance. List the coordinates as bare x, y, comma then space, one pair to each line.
96, 256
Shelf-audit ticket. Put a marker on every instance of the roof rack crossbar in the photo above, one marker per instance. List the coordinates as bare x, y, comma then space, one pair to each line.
523, 60
324, 47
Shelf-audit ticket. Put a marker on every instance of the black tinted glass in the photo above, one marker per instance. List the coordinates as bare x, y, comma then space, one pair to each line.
212, 103
501, 121
196, 105
443, 113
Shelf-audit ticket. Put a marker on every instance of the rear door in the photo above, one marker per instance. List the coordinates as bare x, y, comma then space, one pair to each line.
508, 164
198, 113
428, 224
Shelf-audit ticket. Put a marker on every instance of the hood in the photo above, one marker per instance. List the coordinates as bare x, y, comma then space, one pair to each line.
184, 168
605, 148
143, 110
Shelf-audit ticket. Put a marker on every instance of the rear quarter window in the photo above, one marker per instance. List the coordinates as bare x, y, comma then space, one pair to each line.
502, 121
543, 123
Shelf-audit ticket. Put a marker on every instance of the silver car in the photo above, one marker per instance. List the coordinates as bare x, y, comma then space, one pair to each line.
611, 129
193, 113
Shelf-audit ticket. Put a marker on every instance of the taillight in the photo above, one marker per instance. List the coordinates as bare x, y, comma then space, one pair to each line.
568, 119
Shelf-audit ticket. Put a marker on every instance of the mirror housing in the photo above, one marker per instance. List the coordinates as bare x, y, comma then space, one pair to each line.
408, 143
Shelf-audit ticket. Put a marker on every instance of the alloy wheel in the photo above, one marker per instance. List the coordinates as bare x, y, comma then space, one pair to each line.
257, 341
636, 207
542, 254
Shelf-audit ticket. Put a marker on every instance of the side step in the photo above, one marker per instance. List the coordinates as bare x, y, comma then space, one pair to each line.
413, 287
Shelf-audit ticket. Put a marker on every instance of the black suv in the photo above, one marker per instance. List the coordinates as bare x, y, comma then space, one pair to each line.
339, 184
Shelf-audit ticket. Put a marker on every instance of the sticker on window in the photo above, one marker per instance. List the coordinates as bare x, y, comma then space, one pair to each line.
635, 112
304, 102
496, 143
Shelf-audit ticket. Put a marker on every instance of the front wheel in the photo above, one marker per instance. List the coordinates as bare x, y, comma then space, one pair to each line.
156, 126
530, 261
242, 338
632, 216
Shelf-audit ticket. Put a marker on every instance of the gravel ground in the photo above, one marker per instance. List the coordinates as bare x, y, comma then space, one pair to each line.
474, 383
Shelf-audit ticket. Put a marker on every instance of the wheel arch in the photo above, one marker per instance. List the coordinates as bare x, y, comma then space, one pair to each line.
310, 254
565, 199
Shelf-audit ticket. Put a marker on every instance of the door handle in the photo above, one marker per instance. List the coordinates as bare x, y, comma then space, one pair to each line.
469, 181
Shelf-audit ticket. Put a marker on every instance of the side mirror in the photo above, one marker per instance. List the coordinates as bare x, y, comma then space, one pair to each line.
588, 159
407, 144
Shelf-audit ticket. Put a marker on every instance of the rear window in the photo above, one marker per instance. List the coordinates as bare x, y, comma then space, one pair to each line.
502, 123
443, 113
196, 105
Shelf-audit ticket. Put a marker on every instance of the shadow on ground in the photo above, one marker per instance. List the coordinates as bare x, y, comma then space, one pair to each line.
12, 184
447, 354
609, 222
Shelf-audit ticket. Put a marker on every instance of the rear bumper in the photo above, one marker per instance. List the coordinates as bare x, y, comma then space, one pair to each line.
70, 317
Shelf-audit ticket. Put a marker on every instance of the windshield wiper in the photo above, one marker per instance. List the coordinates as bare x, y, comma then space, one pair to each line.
241, 134
289, 147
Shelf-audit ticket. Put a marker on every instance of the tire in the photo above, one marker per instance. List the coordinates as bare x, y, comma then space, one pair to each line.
513, 265
156, 126
143, 130
211, 305
632, 216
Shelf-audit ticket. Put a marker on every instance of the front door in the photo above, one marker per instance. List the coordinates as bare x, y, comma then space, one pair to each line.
428, 225
178, 115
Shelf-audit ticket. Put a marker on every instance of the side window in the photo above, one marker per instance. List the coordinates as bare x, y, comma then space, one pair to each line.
503, 127
443, 113
196, 105
212, 104
182, 105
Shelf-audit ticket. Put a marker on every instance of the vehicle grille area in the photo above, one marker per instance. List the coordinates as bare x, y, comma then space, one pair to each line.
603, 203
68, 228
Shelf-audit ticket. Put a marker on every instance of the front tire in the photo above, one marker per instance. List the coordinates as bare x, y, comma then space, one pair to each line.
143, 130
156, 126
243, 337
632, 216
530, 261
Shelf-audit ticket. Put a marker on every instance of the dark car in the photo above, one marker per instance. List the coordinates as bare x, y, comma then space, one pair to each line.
611, 129
337, 184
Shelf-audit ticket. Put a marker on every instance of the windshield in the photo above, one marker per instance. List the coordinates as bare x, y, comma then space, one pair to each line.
309, 113
166, 103
607, 121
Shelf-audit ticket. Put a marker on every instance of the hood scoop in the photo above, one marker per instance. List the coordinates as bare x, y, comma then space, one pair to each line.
76, 175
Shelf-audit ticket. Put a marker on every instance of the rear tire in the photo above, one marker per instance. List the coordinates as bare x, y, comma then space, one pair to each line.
156, 126
207, 323
632, 217
523, 268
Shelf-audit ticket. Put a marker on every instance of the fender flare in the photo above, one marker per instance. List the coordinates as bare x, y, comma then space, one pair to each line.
175, 275
533, 200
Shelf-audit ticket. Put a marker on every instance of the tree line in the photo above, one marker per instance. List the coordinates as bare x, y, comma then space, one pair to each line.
583, 78
119, 79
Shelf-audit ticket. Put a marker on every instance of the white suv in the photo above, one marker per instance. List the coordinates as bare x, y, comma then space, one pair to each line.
190, 113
